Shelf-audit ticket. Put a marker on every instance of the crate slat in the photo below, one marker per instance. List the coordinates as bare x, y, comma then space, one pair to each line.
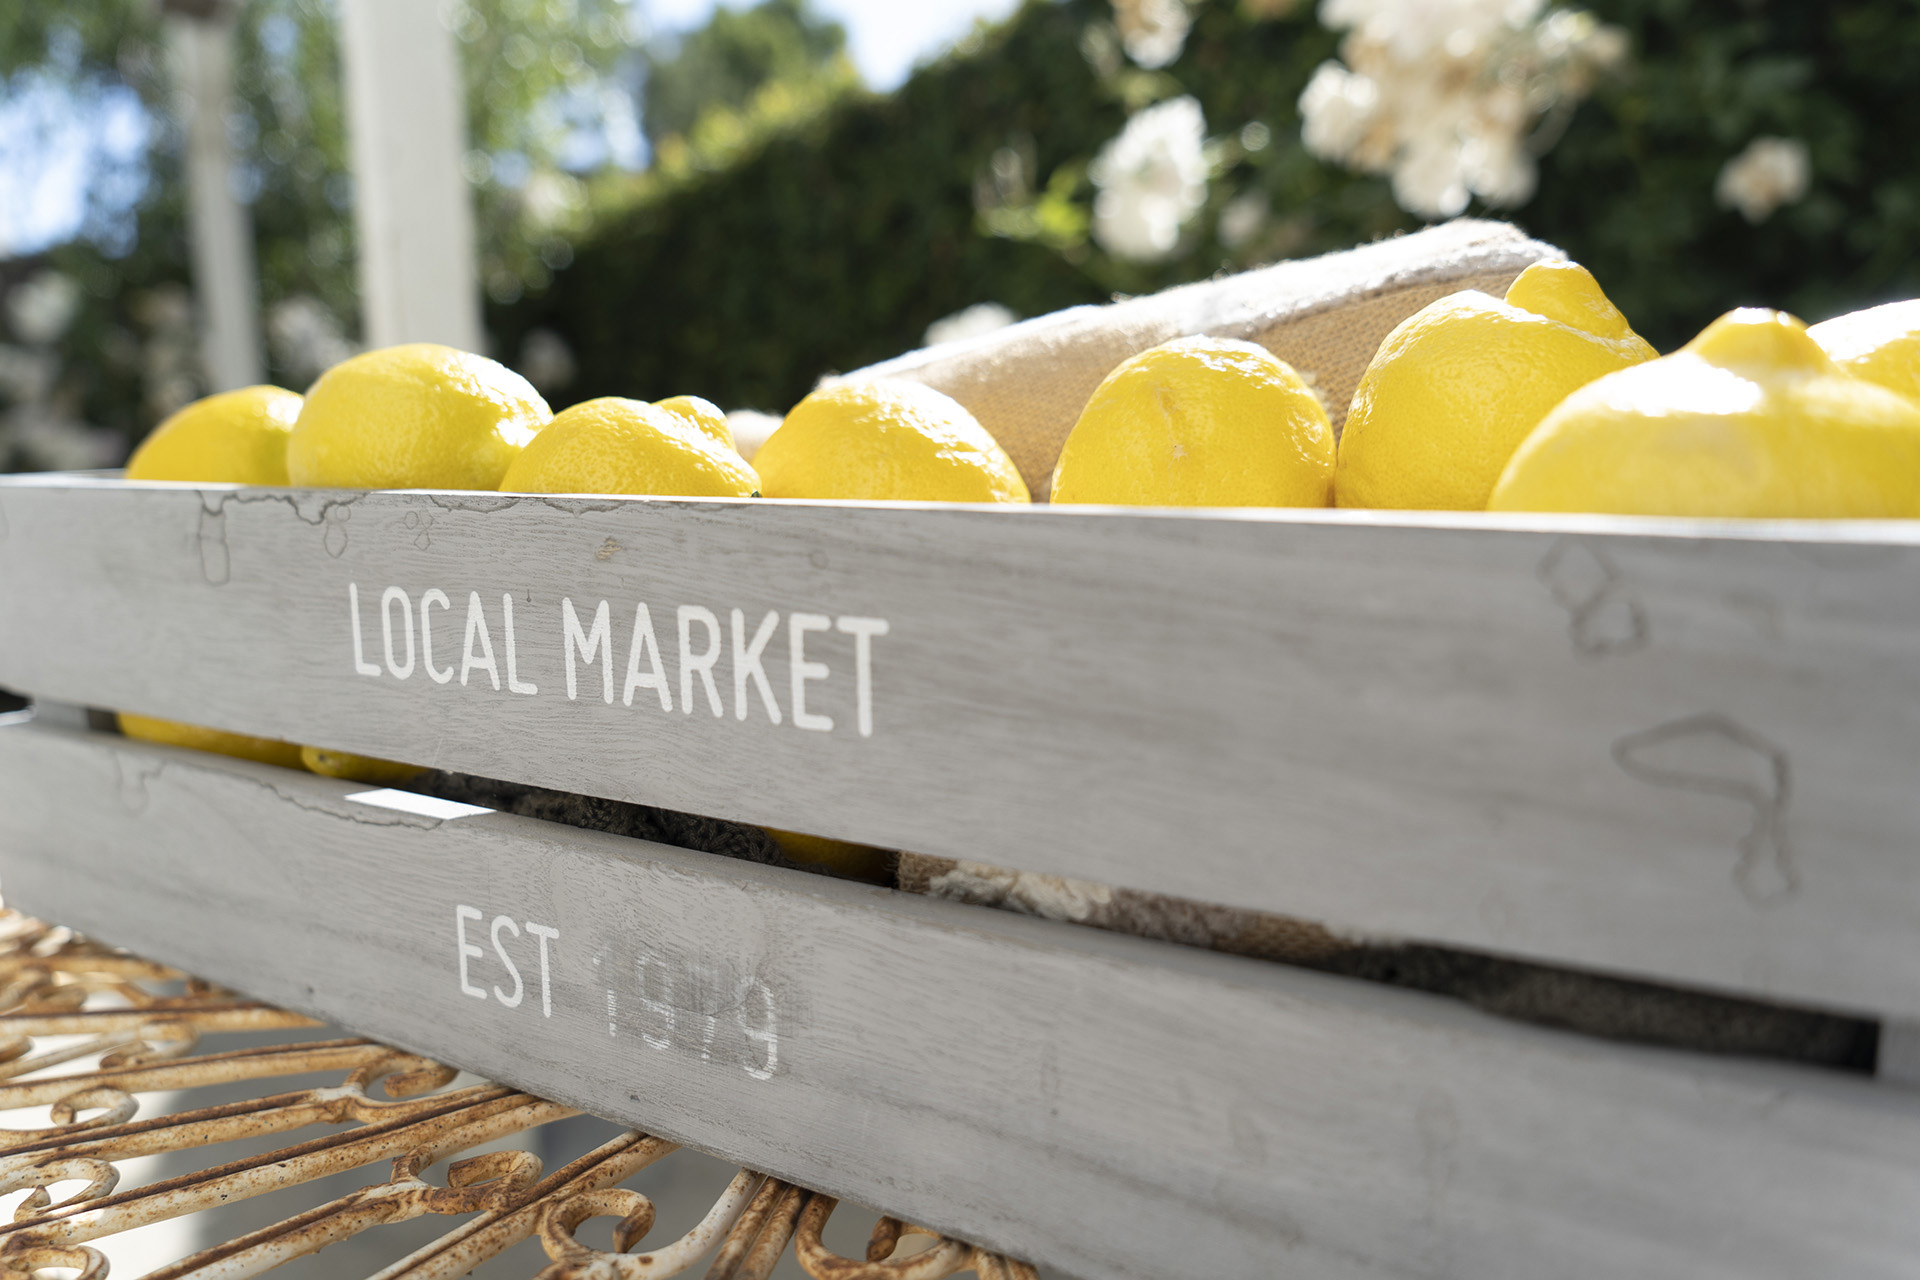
1673, 750
1106, 1105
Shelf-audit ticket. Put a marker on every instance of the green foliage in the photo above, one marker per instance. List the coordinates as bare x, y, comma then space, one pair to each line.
728, 61
1629, 189
540, 75
835, 243
289, 126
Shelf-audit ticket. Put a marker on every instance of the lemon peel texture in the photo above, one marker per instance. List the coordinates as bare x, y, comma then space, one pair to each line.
419, 416
1880, 344
1750, 419
885, 440
1200, 422
241, 746
1458, 385
612, 445
235, 437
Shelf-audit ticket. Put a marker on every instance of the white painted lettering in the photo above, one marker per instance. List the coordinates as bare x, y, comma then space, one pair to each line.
798, 624
477, 630
499, 949
762, 1033
656, 677
546, 934
746, 663
701, 663
514, 683
599, 641
863, 630
465, 949
388, 598
360, 664
657, 1012
426, 635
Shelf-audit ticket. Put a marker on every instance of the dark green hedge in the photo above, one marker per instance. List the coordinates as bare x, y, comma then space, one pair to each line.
836, 246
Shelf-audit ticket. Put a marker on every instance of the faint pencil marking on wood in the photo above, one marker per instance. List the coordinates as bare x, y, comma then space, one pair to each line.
1714, 755
335, 538
422, 525
1604, 617
131, 776
328, 513
216, 561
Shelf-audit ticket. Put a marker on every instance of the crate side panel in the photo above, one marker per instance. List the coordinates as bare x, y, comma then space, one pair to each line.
1677, 757
1108, 1106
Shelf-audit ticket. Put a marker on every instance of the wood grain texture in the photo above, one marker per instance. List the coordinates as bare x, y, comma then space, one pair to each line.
1105, 1105
1679, 750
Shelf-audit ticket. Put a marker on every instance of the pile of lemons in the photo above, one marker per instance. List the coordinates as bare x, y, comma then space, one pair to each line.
1545, 400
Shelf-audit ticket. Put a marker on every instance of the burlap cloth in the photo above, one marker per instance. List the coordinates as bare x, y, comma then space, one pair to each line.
1325, 316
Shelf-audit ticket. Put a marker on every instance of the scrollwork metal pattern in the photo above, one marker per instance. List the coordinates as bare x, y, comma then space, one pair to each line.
85, 1031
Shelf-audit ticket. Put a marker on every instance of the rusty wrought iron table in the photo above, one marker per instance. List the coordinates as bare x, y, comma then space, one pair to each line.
119, 1055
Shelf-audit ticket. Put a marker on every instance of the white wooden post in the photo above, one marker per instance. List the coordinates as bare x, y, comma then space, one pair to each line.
200, 44
406, 120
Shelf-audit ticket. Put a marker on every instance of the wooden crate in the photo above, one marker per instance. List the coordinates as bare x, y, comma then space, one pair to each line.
1669, 750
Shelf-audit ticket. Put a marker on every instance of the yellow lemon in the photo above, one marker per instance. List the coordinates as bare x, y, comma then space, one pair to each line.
421, 416
854, 861
1460, 383
242, 746
885, 440
1751, 418
1880, 344
627, 446
236, 437
1200, 422
371, 770
704, 414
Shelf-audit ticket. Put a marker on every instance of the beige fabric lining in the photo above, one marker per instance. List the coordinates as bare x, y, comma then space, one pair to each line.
1326, 316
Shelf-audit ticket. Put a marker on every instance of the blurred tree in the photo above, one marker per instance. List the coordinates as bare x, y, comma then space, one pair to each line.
737, 53
834, 239
551, 99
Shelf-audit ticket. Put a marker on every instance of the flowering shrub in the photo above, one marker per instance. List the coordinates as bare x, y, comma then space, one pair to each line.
1444, 95
1697, 156
1151, 178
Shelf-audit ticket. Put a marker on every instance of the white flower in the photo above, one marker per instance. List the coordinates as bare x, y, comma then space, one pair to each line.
546, 360
1152, 31
750, 429
1442, 95
553, 199
1770, 173
26, 376
43, 307
970, 322
1429, 178
1152, 178
305, 338
1337, 107
1242, 219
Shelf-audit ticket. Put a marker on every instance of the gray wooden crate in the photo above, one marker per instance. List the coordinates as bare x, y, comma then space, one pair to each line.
1675, 751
